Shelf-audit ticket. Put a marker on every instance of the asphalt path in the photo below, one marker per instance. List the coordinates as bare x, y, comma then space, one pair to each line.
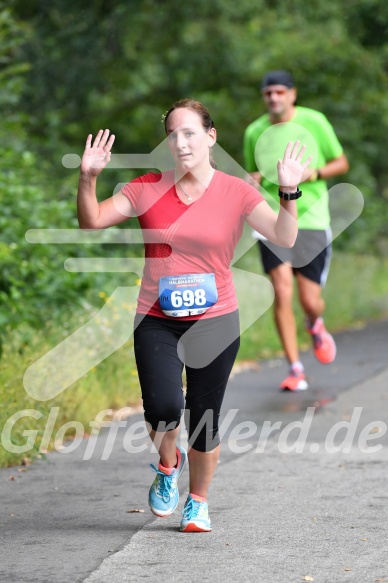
67, 518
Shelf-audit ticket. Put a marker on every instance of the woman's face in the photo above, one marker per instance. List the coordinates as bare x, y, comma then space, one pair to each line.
188, 141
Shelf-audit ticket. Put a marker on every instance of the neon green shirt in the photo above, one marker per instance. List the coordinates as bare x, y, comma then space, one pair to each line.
265, 144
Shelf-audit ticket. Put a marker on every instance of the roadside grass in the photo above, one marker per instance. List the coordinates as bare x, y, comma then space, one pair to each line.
356, 292
113, 384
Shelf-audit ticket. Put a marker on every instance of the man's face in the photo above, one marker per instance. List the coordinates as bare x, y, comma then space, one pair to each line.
279, 99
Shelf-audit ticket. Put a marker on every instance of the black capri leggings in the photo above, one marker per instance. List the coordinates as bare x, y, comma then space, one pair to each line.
208, 349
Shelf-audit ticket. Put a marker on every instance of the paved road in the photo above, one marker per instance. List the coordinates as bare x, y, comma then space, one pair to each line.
287, 502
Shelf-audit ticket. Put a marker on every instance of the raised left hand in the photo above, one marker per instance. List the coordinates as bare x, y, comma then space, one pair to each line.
291, 168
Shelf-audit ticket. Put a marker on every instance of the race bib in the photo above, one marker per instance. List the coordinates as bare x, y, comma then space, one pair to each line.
187, 295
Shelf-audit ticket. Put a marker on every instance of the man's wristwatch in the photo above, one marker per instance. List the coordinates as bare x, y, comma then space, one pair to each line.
315, 175
290, 195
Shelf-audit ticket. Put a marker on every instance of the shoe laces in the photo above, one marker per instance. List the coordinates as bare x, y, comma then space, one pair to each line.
192, 509
317, 340
166, 484
317, 335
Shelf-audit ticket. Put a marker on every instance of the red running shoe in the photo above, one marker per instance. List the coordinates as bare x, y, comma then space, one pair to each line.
324, 346
296, 381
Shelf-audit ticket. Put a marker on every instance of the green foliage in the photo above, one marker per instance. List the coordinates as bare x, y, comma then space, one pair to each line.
120, 65
112, 385
36, 291
35, 193
34, 286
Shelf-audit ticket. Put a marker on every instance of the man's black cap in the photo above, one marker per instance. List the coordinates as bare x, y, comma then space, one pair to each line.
278, 78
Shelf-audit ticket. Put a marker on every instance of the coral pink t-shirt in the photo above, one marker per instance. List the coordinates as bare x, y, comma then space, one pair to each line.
190, 239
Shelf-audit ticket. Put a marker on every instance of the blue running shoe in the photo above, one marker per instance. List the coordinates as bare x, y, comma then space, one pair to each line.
163, 497
195, 516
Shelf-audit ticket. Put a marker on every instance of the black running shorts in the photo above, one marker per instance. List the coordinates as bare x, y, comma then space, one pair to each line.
310, 255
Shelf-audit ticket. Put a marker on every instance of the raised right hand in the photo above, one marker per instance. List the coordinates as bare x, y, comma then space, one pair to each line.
97, 155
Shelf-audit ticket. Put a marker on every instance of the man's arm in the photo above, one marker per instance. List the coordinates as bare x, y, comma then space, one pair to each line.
332, 168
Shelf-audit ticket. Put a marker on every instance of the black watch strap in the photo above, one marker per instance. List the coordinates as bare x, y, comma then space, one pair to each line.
290, 195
